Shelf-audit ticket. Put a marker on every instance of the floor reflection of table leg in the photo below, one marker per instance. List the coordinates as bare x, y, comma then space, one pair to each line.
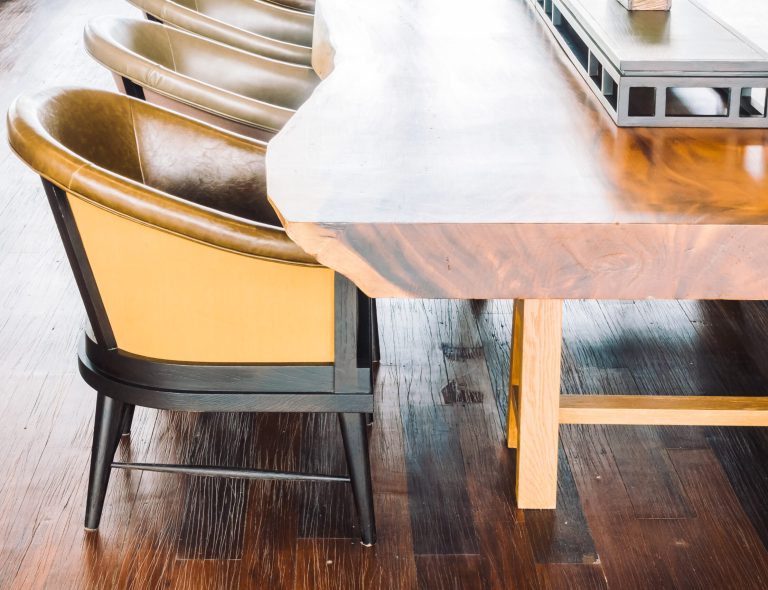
534, 399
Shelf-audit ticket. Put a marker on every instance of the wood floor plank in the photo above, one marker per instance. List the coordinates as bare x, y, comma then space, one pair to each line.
663, 357
494, 326
741, 453
567, 576
648, 475
326, 509
331, 564
269, 559
440, 508
271, 521
451, 573
503, 531
489, 466
628, 555
214, 508
734, 335
560, 536
154, 525
60, 547
749, 321
730, 342
719, 548
222, 574
639, 451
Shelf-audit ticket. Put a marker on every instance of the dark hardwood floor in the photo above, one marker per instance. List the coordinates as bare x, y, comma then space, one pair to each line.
639, 507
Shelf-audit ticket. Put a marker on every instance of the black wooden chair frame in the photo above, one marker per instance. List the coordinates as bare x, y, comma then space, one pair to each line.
124, 380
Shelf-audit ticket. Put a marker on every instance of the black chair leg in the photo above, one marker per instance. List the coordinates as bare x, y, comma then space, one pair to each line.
106, 434
125, 427
355, 435
376, 352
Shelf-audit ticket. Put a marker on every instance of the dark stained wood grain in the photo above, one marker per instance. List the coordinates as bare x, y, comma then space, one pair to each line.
571, 577
154, 523
440, 509
627, 553
344, 563
741, 453
213, 508
270, 536
639, 452
715, 503
326, 510
454, 573
488, 465
649, 477
271, 523
441, 514
562, 536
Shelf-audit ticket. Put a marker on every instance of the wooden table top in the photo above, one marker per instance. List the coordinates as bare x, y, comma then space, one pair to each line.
452, 151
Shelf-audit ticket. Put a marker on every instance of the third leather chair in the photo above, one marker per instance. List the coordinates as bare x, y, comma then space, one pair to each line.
260, 27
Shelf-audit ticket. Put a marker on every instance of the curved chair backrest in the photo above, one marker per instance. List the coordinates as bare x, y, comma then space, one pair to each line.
256, 95
252, 25
170, 232
302, 5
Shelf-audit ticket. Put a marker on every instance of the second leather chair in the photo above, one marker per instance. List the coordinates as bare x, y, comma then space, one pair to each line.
234, 89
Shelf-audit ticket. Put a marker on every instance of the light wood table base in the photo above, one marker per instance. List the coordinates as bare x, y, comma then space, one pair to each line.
536, 408
535, 399
632, 213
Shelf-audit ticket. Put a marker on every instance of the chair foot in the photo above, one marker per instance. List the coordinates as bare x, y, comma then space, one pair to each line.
125, 427
355, 435
106, 434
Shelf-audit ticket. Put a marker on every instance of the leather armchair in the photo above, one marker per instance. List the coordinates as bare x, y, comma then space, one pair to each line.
197, 299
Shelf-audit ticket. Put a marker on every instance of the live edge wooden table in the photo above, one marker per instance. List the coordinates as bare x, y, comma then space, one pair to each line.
452, 152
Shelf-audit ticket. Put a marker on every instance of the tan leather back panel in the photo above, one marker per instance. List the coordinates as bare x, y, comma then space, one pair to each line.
171, 298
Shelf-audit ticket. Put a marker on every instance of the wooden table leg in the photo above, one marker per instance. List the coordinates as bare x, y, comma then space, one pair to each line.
514, 374
534, 399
